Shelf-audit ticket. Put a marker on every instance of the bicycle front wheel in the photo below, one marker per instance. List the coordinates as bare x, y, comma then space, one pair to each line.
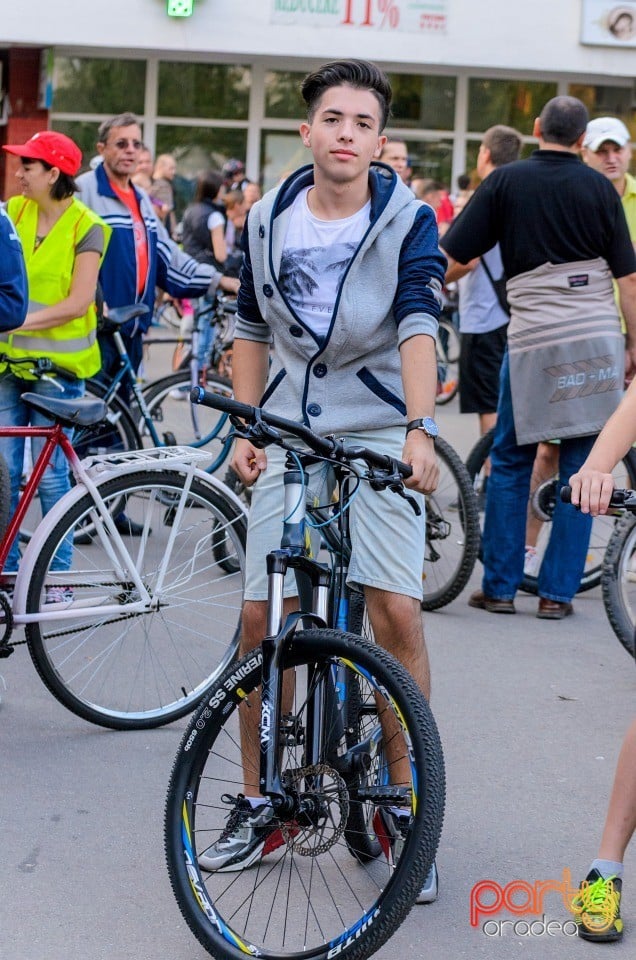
305, 896
139, 665
618, 581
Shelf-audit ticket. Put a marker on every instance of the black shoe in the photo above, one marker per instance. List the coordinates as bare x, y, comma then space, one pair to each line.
597, 908
128, 527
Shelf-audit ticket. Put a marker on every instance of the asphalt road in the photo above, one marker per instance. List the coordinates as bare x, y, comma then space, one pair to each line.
531, 714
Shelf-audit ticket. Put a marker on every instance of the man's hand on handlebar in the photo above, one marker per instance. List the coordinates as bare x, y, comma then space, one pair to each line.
248, 461
591, 490
419, 453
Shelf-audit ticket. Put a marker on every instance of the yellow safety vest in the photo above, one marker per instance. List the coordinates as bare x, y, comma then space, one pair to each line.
71, 345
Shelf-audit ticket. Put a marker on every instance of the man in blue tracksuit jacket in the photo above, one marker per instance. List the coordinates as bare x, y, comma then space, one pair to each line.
140, 256
14, 291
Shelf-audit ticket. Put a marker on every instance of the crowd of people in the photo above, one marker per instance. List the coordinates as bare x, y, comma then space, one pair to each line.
340, 274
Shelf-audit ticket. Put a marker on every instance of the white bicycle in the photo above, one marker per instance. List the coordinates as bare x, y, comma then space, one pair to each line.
135, 631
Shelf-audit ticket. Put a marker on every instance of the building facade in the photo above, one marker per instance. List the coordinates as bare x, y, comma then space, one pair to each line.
213, 79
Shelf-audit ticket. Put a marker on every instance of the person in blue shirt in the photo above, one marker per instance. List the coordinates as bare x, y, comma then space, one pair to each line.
14, 290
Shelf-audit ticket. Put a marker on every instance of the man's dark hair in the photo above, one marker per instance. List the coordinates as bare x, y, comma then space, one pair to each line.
121, 120
463, 181
359, 74
563, 120
504, 144
208, 185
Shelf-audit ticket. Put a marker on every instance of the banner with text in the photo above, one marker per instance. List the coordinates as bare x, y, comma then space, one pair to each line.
412, 16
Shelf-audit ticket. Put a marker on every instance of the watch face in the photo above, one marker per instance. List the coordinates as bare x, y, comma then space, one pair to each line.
429, 426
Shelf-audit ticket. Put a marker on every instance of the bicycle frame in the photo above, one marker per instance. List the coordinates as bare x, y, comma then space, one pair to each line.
294, 553
127, 373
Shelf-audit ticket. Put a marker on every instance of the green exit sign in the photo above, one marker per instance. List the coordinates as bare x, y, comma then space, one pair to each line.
180, 8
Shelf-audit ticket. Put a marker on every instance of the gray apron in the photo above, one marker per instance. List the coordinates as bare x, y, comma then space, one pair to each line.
566, 349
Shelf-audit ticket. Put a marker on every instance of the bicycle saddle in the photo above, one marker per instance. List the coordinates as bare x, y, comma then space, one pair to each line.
120, 315
81, 412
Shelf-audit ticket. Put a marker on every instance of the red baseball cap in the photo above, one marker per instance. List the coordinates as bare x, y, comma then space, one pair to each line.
54, 148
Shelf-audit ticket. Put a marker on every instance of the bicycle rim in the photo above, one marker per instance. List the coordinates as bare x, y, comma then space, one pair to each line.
307, 896
134, 669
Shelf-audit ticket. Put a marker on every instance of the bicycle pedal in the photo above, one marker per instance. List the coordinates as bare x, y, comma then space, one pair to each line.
6, 649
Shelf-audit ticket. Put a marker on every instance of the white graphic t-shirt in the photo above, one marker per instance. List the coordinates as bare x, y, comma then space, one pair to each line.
315, 256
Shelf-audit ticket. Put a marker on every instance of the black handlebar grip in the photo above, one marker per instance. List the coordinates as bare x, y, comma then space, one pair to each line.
566, 494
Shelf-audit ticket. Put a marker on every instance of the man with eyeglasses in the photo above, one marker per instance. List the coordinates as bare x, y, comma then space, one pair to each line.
140, 255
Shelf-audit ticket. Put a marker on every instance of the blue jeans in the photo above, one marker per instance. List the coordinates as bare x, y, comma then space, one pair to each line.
505, 525
55, 481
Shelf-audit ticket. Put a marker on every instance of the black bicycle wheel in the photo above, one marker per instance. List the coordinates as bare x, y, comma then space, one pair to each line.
618, 582
543, 502
452, 531
179, 422
447, 350
121, 663
307, 898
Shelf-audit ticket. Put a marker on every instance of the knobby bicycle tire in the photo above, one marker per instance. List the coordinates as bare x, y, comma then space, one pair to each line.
361, 716
619, 589
452, 531
602, 526
172, 413
306, 897
129, 670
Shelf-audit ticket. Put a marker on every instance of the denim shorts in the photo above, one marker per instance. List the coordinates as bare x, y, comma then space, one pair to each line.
387, 538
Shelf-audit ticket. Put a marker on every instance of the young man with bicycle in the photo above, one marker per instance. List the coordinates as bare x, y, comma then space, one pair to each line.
343, 274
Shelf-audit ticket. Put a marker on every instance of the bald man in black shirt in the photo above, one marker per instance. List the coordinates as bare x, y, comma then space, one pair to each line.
563, 236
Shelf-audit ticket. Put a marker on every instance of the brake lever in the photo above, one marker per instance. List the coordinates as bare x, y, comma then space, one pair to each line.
382, 480
259, 433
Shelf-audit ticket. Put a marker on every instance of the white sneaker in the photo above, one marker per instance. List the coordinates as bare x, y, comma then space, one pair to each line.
532, 563
430, 888
390, 828
251, 832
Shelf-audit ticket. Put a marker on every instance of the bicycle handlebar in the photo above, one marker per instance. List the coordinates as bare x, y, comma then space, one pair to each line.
327, 447
39, 366
619, 498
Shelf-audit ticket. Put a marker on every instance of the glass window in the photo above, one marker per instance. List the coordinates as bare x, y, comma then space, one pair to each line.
472, 149
281, 153
196, 149
431, 158
204, 90
82, 85
83, 132
283, 100
513, 102
604, 101
427, 103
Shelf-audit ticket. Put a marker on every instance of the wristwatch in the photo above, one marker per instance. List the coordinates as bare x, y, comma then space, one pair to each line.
426, 424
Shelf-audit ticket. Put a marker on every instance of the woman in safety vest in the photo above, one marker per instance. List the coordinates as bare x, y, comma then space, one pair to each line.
63, 243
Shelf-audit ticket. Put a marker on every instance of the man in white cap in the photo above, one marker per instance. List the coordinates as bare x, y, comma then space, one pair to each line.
606, 148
